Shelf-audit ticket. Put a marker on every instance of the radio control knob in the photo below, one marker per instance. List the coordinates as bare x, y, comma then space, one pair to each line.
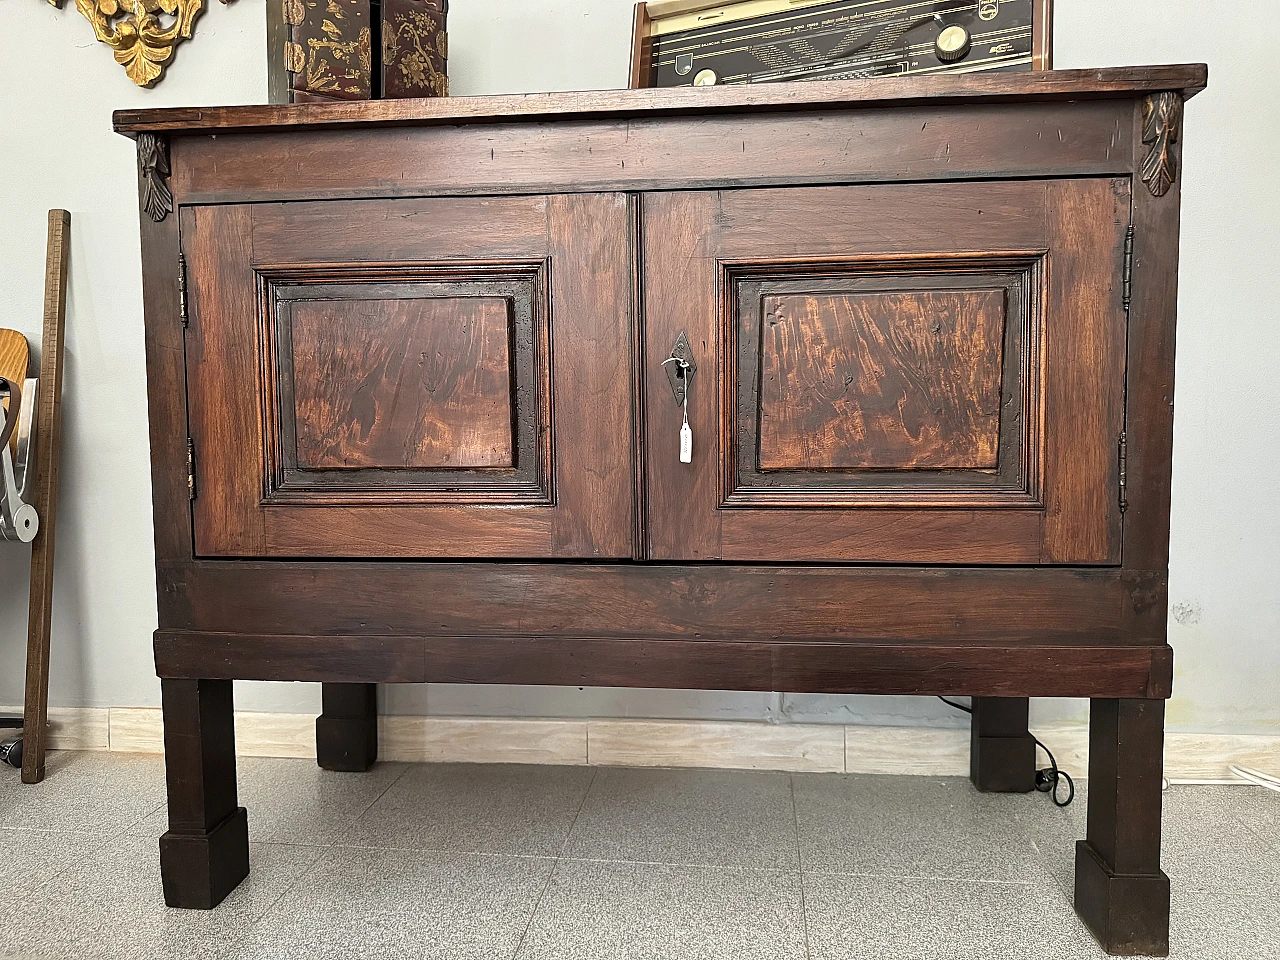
953, 43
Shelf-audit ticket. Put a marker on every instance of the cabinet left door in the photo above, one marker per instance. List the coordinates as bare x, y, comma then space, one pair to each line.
423, 378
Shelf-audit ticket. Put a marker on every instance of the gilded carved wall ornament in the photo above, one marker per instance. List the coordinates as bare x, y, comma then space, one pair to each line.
153, 165
1161, 127
142, 33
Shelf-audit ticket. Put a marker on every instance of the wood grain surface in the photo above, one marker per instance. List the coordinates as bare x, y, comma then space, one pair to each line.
771, 603
47, 464
566, 256
908, 143
402, 383
1111, 82
694, 242
15, 358
989, 671
900, 381
1085, 361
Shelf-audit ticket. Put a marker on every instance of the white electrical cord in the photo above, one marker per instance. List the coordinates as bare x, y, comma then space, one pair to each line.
1253, 776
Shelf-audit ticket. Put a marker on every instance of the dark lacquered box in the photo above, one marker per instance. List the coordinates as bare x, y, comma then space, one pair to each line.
356, 49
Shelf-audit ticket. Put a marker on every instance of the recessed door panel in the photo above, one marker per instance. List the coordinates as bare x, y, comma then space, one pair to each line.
429, 388
420, 382
895, 380
923, 373
376, 378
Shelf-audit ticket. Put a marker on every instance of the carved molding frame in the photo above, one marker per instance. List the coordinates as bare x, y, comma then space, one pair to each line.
1161, 128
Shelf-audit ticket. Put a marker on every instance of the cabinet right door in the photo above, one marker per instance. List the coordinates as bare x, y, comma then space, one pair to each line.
922, 373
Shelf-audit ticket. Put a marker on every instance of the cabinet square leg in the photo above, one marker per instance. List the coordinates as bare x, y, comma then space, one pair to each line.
1121, 893
205, 853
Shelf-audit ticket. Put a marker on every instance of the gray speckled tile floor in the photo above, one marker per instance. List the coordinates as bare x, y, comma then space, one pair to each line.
436, 862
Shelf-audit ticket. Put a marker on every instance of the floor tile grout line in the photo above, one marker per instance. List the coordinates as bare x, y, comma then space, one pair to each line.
555, 865
933, 877
586, 794
322, 853
730, 867
404, 769
537, 905
804, 908
460, 852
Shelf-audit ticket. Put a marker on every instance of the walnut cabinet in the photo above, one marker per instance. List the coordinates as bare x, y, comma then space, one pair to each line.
418, 373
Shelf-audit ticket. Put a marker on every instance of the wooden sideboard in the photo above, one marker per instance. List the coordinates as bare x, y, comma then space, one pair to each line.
411, 420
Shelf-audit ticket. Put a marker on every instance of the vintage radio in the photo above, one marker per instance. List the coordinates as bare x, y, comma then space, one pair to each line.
356, 49
681, 43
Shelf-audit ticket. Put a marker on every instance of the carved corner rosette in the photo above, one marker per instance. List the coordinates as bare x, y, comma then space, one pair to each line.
142, 34
153, 167
1161, 128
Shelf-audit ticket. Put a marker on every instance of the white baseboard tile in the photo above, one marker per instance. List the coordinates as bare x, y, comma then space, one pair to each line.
797, 747
276, 735
1069, 743
137, 730
1206, 756
920, 750
829, 748
74, 728
141, 730
480, 740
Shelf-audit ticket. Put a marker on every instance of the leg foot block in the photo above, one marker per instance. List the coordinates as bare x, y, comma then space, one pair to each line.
347, 728
199, 871
1128, 914
344, 744
1003, 764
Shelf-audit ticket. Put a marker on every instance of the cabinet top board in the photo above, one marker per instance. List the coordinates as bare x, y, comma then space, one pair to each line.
622, 104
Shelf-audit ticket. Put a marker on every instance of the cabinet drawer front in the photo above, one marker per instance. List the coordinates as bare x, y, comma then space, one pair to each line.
377, 378
920, 373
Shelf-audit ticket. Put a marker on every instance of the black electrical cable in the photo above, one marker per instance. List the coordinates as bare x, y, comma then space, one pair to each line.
1046, 779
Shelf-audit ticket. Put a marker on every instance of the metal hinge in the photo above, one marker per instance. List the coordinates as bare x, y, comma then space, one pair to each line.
182, 288
191, 469
1124, 471
1128, 268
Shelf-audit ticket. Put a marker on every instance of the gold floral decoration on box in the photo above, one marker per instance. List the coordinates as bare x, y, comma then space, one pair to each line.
338, 63
417, 46
141, 33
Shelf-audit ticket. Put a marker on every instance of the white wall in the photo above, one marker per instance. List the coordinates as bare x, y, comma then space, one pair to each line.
57, 149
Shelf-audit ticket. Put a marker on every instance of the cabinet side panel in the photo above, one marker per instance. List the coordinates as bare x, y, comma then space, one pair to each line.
1152, 340
166, 390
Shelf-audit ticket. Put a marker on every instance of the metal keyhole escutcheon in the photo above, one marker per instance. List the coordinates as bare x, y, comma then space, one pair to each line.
681, 373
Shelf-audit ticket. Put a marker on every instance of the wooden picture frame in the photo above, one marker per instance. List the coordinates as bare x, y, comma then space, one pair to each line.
646, 14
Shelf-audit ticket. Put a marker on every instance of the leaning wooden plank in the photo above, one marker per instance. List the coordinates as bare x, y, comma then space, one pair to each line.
48, 440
